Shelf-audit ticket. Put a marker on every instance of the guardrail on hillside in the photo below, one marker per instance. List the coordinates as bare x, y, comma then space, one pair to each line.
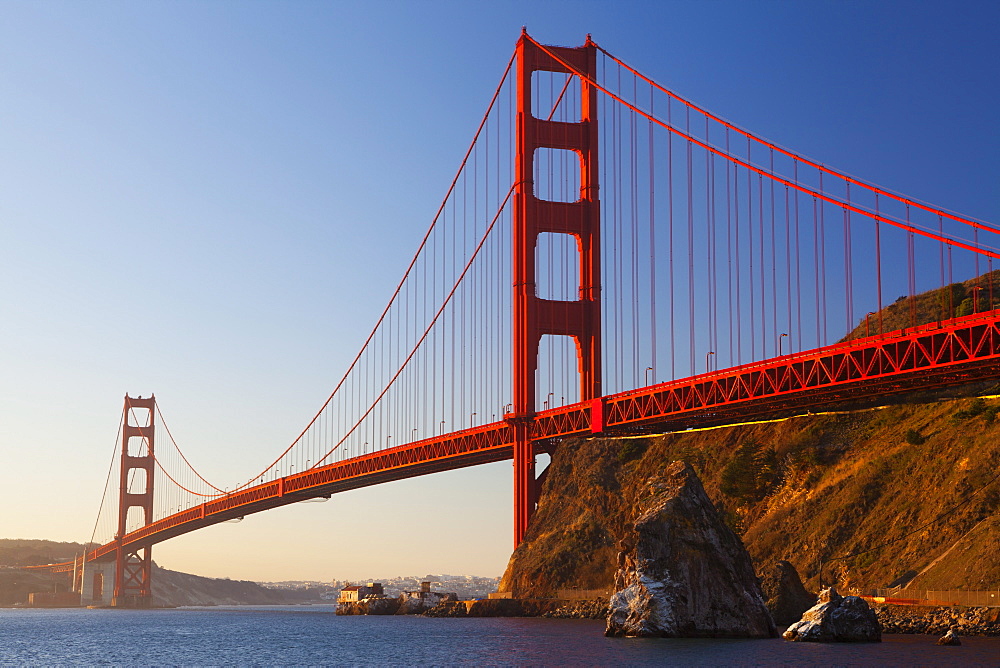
583, 594
895, 596
566, 594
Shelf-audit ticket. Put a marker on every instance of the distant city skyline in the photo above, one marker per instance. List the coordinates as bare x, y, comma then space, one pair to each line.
213, 201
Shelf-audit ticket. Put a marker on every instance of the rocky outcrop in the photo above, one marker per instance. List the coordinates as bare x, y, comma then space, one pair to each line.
448, 609
416, 603
786, 598
938, 620
836, 618
596, 609
497, 607
369, 606
494, 607
412, 606
950, 638
683, 572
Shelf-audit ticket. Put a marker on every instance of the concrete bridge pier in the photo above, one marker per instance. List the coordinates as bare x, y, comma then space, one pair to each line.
98, 586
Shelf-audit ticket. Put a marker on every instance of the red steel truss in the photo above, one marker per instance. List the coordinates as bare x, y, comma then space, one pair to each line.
935, 355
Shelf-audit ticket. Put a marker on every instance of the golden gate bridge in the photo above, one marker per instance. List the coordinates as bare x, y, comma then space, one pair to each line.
609, 258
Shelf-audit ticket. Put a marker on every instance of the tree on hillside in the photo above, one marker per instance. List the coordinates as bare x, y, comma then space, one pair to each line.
752, 473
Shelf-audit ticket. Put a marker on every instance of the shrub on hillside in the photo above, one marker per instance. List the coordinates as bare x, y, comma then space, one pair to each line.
631, 449
965, 308
752, 473
978, 408
950, 299
990, 414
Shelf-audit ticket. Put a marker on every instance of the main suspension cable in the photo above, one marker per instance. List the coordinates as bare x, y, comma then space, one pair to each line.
402, 281
975, 248
796, 156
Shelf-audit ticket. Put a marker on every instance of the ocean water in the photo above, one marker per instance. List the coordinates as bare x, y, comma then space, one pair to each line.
313, 635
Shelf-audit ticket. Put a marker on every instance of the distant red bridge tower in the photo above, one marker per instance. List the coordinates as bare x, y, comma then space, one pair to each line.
133, 565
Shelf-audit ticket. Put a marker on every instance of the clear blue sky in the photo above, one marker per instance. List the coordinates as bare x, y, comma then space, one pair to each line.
213, 200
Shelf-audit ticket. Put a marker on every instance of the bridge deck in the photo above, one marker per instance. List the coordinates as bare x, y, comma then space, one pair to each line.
934, 355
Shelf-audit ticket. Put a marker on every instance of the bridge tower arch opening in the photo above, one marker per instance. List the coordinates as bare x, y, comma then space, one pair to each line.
534, 316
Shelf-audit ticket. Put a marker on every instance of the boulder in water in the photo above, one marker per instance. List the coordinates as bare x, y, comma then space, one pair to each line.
950, 638
682, 572
836, 618
369, 606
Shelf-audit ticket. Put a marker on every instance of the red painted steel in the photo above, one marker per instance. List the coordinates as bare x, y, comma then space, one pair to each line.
571, 67
863, 370
534, 317
132, 562
938, 354
947, 353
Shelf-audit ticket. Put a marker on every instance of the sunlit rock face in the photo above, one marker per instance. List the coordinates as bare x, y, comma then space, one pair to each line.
682, 572
836, 618
369, 606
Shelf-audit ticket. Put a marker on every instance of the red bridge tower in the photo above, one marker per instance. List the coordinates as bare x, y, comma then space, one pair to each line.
535, 317
133, 564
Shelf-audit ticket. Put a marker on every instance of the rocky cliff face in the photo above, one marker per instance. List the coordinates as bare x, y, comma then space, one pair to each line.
786, 598
808, 489
571, 539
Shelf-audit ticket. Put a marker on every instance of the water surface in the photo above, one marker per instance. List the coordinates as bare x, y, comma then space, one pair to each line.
313, 635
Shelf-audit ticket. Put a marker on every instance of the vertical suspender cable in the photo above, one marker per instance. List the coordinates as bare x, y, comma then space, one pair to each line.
739, 269
774, 260
822, 260
652, 242
848, 268
634, 150
670, 218
763, 285
799, 335
710, 246
816, 273
911, 270
729, 252
878, 267
944, 302
788, 262
750, 253
951, 280
690, 240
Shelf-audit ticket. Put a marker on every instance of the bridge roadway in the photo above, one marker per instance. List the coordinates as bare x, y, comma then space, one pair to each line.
929, 356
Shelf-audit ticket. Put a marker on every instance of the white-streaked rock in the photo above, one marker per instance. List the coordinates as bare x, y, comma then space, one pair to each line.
836, 618
682, 572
